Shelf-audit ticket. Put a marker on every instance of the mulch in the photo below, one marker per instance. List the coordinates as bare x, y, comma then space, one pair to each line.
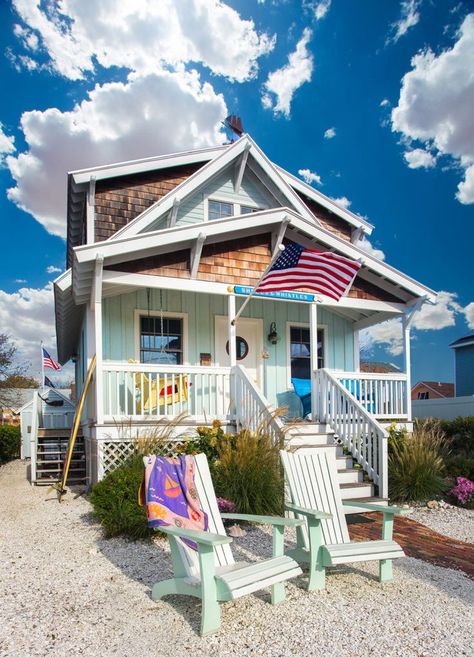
418, 541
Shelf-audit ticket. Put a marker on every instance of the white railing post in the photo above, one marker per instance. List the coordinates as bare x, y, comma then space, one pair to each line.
313, 337
407, 361
34, 436
232, 352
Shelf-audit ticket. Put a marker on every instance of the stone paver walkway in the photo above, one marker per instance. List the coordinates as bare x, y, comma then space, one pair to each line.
419, 541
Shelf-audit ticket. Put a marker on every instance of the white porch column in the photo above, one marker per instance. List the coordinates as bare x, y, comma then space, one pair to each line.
355, 334
406, 322
313, 336
232, 353
96, 325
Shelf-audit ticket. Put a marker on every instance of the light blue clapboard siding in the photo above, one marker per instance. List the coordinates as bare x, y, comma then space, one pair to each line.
251, 193
120, 340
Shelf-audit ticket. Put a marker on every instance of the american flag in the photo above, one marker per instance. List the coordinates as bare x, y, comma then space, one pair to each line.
322, 272
48, 361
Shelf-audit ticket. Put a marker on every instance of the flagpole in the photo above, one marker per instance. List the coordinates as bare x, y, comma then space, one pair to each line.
42, 366
277, 252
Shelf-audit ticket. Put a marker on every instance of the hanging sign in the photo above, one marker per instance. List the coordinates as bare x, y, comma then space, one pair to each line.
245, 290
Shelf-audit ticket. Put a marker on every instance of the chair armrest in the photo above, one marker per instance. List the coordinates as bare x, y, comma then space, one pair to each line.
313, 513
264, 520
205, 538
393, 510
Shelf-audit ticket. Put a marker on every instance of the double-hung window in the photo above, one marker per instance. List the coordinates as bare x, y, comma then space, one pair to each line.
300, 352
223, 209
161, 343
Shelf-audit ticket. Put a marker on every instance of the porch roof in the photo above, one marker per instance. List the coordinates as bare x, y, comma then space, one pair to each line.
73, 288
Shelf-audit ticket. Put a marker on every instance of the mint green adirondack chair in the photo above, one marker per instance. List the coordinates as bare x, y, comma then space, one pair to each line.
211, 573
315, 495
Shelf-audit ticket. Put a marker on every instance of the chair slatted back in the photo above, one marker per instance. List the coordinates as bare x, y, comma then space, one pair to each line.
312, 481
222, 553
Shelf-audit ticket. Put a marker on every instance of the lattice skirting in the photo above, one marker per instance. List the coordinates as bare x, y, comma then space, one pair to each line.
111, 453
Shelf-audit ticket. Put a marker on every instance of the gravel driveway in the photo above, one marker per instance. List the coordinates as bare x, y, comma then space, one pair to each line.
65, 591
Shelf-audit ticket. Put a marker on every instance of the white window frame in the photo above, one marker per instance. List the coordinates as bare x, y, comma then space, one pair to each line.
223, 199
289, 324
139, 312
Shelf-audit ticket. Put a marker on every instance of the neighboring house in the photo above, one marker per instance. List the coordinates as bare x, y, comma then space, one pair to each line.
464, 365
14, 400
378, 367
53, 410
160, 254
432, 390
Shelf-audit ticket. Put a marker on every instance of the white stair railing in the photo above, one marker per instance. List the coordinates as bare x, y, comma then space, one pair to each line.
252, 409
355, 427
34, 435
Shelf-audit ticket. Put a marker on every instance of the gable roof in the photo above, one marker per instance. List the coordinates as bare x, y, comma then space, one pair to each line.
78, 182
439, 387
466, 341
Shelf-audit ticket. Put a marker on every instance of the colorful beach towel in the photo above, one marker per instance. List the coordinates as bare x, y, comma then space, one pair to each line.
170, 494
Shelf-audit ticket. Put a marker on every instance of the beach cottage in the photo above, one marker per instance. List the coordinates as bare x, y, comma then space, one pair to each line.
162, 252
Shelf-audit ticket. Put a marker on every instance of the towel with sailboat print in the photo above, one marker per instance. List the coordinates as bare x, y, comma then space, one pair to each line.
171, 496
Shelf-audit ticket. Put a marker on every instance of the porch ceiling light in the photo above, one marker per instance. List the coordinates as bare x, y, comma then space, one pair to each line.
273, 336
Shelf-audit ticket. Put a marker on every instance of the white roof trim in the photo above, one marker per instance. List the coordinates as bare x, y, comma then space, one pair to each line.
207, 172
325, 201
146, 164
183, 236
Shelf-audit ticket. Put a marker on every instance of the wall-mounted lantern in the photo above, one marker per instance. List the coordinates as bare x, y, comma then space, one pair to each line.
273, 336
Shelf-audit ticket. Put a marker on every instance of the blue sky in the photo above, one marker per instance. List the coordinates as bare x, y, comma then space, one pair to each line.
373, 99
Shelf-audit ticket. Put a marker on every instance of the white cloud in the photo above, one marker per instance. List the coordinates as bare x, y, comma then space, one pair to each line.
310, 177
27, 316
284, 82
145, 116
342, 201
369, 248
330, 133
409, 17
20, 280
321, 9
7, 144
469, 313
387, 334
143, 36
436, 104
51, 269
385, 102
431, 317
419, 158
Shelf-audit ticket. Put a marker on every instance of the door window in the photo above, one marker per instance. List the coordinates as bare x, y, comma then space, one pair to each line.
300, 352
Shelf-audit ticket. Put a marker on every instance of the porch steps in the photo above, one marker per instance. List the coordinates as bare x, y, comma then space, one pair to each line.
50, 454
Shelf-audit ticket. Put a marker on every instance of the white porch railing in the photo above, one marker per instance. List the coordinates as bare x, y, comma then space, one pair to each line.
356, 428
143, 391
251, 407
384, 396
34, 435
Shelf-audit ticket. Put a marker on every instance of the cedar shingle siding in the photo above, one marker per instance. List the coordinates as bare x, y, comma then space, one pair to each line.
328, 219
235, 262
119, 200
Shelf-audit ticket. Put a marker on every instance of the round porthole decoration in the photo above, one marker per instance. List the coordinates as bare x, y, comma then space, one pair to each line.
242, 347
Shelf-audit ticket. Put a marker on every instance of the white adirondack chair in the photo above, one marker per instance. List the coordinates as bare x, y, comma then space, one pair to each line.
314, 493
211, 573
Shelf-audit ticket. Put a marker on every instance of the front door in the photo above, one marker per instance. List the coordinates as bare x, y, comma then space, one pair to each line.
249, 345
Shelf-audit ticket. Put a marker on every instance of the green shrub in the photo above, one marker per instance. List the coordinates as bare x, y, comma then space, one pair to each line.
10, 442
207, 441
396, 436
460, 466
416, 466
461, 435
115, 501
248, 473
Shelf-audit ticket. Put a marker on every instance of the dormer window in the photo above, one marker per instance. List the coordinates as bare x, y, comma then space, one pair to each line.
222, 209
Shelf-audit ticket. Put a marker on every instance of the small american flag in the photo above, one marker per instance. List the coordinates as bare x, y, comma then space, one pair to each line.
48, 361
322, 272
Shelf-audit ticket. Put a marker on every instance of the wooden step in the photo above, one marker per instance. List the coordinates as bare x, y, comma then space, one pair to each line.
55, 433
344, 462
356, 491
310, 440
380, 501
313, 428
350, 476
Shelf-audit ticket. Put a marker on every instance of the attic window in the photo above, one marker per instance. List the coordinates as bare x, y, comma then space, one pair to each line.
223, 209
218, 210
